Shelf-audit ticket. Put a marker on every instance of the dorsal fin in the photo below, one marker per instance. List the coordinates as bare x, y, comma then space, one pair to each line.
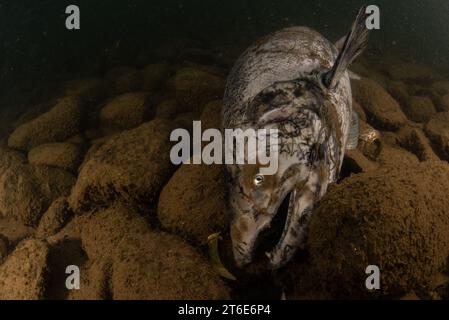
355, 42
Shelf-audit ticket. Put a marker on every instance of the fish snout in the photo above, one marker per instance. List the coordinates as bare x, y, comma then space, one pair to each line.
243, 235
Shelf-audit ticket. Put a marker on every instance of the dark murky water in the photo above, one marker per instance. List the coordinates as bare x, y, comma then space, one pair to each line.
37, 50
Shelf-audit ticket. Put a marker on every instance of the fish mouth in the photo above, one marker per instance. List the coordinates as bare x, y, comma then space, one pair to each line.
270, 237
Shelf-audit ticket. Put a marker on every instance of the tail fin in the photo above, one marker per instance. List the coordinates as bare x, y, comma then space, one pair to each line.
356, 41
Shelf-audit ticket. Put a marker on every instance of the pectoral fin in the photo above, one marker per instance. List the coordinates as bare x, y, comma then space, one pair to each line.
353, 134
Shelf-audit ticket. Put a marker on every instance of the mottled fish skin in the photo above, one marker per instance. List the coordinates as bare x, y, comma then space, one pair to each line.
312, 142
284, 55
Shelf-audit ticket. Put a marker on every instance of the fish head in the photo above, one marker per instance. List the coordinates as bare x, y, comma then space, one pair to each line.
255, 198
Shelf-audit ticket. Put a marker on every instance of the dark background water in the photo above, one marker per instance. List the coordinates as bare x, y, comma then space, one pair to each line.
36, 49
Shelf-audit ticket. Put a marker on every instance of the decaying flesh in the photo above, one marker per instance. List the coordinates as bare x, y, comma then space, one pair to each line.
296, 81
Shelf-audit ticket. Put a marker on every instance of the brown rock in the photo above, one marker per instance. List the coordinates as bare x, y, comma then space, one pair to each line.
185, 120
394, 218
382, 110
14, 230
194, 88
158, 266
211, 116
167, 109
23, 273
437, 130
90, 90
54, 219
27, 191
57, 125
66, 156
126, 112
10, 158
398, 91
125, 79
105, 229
94, 283
130, 167
419, 109
415, 141
192, 204
155, 75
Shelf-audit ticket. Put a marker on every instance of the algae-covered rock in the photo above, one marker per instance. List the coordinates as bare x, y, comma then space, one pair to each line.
158, 266
192, 204
23, 274
381, 109
66, 156
57, 125
126, 111
130, 167
394, 218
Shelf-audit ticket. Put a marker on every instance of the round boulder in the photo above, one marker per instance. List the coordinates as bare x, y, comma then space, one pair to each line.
57, 125
27, 191
159, 266
22, 275
419, 109
381, 109
192, 204
394, 218
130, 167
194, 88
126, 112
437, 129
66, 156
105, 229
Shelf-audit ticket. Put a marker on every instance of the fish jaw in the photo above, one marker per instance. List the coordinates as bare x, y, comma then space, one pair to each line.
244, 233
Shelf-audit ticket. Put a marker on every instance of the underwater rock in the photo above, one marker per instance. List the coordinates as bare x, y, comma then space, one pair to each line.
437, 130
155, 75
94, 282
355, 162
419, 109
194, 88
398, 91
395, 155
105, 229
130, 167
10, 158
211, 116
66, 156
126, 112
159, 266
57, 215
14, 230
57, 125
441, 87
3, 248
78, 140
381, 109
415, 141
167, 109
192, 204
125, 79
34, 112
444, 106
185, 120
22, 275
89, 90
408, 71
395, 218
27, 191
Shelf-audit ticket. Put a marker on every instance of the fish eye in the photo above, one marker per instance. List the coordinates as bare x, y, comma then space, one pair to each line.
258, 180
